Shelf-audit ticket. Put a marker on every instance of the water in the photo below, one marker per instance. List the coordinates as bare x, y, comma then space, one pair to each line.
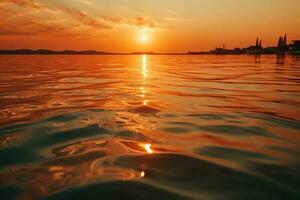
149, 127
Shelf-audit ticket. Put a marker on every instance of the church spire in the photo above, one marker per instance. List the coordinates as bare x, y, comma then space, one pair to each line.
260, 44
280, 41
285, 40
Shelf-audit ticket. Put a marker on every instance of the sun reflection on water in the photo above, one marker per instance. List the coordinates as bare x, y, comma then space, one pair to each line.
145, 75
142, 174
147, 148
144, 67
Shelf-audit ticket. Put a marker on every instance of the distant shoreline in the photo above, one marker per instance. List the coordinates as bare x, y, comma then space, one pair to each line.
73, 52
93, 52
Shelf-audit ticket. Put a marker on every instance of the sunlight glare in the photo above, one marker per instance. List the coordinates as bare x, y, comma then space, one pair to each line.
142, 174
144, 66
147, 147
144, 38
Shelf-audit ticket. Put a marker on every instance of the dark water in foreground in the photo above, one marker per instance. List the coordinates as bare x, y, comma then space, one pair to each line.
149, 127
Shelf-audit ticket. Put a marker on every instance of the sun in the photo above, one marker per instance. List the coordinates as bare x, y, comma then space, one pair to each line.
144, 38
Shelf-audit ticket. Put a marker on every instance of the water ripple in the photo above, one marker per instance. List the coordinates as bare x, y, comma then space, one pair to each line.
149, 127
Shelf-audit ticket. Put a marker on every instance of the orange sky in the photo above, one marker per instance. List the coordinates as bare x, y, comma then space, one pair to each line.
166, 25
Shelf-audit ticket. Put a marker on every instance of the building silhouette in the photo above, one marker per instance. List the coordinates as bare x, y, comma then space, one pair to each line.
255, 50
282, 45
282, 48
295, 47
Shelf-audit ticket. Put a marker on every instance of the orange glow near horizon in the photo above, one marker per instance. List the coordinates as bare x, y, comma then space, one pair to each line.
132, 25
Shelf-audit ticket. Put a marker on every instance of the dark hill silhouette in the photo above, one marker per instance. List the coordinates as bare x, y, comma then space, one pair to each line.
52, 52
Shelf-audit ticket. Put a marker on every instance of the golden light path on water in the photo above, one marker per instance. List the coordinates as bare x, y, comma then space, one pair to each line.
145, 75
144, 70
144, 147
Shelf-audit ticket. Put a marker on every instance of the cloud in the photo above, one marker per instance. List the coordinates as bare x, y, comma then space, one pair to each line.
115, 20
26, 4
143, 22
87, 20
79, 15
29, 27
87, 1
30, 30
31, 17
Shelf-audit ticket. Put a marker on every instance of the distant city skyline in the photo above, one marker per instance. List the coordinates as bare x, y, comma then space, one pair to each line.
133, 25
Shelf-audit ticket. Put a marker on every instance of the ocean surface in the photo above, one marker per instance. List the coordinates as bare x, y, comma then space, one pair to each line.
149, 127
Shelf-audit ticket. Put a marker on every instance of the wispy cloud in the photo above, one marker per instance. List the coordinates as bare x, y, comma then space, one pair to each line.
31, 17
87, 20
86, 1
31, 29
29, 4
143, 22
36, 18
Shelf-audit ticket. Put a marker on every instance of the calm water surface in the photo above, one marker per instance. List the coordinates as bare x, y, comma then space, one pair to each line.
149, 127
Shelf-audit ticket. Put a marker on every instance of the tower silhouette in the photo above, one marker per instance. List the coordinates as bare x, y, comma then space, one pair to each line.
279, 42
260, 44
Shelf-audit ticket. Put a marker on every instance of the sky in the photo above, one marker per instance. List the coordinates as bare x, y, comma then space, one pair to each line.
145, 25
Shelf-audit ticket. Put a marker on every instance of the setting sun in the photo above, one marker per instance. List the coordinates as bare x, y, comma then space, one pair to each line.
144, 38
144, 35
